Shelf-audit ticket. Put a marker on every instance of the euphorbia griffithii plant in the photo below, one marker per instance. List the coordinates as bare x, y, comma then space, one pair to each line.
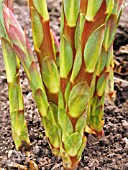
69, 89
12, 65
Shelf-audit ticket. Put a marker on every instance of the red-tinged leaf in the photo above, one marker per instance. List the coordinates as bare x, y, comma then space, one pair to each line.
13, 20
25, 61
9, 4
13, 28
9, 18
16, 36
57, 44
6, 16
29, 48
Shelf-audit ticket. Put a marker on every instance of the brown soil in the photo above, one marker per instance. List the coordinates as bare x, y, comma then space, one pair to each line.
108, 153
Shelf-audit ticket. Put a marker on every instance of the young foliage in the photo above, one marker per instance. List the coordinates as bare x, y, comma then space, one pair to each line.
69, 89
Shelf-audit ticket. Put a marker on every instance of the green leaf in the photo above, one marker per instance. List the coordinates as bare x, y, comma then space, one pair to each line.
77, 63
71, 9
20, 96
66, 57
13, 97
96, 123
77, 34
72, 144
101, 101
1, 14
93, 48
66, 159
41, 102
110, 31
80, 125
62, 21
78, 99
67, 92
19, 125
60, 100
110, 84
102, 61
46, 124
96, 105
24, 59
37, 29
79, 29
117, 7
82, 22
65, 124
54, 109
99, 112
50, 75
93, 85
41, 7
84, 141
109, 58
53, 136
50, 116
92, 9
19, 130
35, 77
109, 6
9, 60
101, 84
2, 31
94, 102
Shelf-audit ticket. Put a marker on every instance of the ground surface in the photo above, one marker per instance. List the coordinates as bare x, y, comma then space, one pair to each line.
108, 153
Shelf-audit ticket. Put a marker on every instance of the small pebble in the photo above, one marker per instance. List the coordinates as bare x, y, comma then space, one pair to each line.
104, 142
125, 124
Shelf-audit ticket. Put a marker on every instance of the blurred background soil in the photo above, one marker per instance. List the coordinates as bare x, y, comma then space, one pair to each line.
108, 153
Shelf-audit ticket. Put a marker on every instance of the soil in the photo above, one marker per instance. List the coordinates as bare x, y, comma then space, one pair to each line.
107, 153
